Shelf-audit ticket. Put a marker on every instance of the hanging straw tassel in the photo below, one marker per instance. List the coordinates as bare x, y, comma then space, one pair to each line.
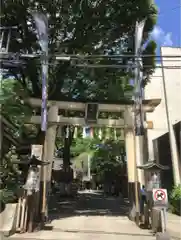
100, 133
121, 134
87, 131
91, 133
107, 133
59, 131
115, 134
67, 132
118, 133
75, 132
84, 132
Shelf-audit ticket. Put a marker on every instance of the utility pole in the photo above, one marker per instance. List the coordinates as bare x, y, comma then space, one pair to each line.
41, 23
139, 128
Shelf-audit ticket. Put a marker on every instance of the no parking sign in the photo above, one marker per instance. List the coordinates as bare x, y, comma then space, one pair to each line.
160, 197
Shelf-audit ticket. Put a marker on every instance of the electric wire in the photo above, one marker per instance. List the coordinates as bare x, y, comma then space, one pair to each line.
12, 58
114, 66
68, 57
169, 10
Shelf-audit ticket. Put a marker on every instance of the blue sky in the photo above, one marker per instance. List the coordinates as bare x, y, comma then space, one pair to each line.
167, 32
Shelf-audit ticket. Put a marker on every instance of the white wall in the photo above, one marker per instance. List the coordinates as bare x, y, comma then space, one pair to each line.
154, 89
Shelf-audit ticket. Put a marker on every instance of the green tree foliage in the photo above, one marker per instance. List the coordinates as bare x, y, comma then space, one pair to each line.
15, 111
107, 162
151, 47
175, 200
78, 27
81, 145
11, 100
9, 176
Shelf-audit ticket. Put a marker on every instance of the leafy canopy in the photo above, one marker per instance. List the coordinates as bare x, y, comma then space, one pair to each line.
107, 161
79, 27
11, 99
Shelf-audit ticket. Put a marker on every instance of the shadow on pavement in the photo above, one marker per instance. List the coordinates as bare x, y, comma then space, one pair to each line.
87, 204
101, 232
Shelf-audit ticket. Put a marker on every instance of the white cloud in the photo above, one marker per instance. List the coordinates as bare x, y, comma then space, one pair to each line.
168, 40
161, 37
157, 33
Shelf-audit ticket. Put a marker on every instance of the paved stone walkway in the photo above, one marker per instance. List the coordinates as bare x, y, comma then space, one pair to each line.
174, 225
91, 216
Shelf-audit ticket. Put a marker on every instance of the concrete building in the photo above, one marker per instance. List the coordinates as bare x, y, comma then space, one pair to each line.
171, 87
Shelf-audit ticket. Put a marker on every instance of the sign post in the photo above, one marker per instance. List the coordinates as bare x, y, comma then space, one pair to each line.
160, 201
37, 151
160, 198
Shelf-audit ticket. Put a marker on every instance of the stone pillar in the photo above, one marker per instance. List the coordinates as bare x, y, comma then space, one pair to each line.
51, 137
140, 157
133, 185
130, 156
48, 155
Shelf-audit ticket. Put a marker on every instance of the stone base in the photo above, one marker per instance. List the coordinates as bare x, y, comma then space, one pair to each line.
132, 200
156, 220
8, 219
163, 236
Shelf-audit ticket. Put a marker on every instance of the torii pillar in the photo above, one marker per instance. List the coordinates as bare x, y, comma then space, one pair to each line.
133, 180
48, 154
135, 157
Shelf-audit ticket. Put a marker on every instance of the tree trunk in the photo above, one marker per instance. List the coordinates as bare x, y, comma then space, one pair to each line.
67, 144
39, 217
66, 153
40, 137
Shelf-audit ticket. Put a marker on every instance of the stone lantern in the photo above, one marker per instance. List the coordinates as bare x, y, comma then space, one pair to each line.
152, 173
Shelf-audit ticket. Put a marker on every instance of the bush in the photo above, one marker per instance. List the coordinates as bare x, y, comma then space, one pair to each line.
9, 176
175, 200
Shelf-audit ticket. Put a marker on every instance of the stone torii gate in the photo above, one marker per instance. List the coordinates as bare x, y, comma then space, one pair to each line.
134, 151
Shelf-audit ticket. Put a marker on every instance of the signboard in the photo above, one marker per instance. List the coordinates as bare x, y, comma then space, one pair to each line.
160, 197
57, 164
33, 181
37, 151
